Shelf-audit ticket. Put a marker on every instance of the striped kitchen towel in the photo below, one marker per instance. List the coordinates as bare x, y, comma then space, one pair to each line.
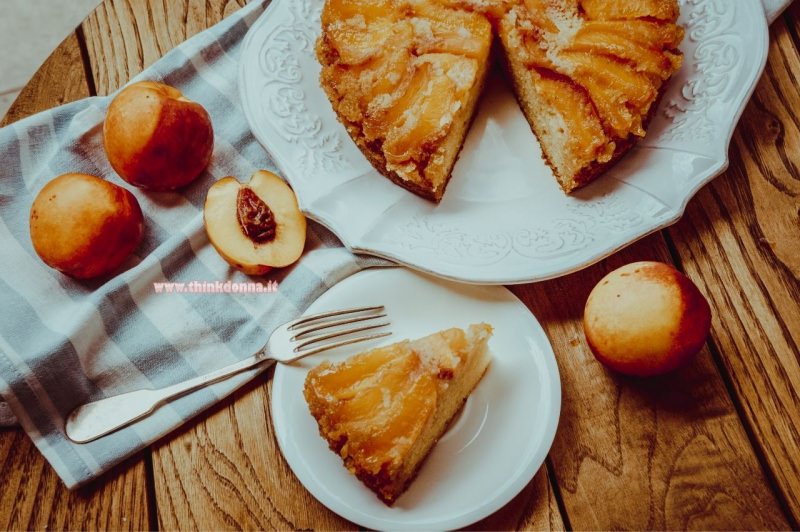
65, 342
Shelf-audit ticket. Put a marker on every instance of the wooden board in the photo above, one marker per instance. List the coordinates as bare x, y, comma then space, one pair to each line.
740, 241
670, 452
125, 36
535, 508
34, 498
60, 79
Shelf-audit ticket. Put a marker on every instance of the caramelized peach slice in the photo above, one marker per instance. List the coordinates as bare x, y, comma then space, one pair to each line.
385, 73
537, 13
535, 55
387, 109
355, 87
656, 35
402, 424
366, 10
594, 40
434, 103
357, 42
494, 9
339, 383
380, 400
625, 9
620, 94
442, 30
360, 400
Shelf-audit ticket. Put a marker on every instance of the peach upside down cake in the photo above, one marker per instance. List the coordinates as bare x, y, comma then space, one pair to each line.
383, 410
405, 76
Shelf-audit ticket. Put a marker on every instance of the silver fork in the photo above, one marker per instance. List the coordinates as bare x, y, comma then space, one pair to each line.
288, 343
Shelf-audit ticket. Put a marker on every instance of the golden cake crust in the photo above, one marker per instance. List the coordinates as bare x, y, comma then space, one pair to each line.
371, 151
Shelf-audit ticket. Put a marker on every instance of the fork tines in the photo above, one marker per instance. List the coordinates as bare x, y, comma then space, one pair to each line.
322, 315
335, 320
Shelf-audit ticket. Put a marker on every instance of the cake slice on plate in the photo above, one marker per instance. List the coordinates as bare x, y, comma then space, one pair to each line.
383, 410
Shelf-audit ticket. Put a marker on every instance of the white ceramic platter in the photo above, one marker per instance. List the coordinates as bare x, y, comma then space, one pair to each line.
493, 448
503, 218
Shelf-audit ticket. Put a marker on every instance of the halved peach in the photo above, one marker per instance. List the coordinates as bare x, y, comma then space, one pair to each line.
255, 226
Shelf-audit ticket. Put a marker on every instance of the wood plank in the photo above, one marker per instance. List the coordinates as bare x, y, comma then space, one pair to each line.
226, 472
659, 453
125, 36
33, 497
739, 240
60, 79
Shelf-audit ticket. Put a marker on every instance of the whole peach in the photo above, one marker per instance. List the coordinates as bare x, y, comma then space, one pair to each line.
646, 318
85, 226
155, 138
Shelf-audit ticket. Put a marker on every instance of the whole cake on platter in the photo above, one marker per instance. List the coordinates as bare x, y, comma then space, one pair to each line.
405, 77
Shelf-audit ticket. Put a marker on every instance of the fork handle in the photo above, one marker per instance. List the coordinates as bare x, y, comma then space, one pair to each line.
99, 418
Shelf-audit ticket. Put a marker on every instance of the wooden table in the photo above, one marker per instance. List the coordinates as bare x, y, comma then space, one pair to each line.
715, 445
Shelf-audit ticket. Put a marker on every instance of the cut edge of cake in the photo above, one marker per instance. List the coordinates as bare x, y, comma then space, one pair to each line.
545, 126
476, 366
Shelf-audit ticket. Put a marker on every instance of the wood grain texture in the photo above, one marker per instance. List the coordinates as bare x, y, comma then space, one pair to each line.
669, 452
34, 498
226, 472
740, 240
659, 453
60, 79
125, 36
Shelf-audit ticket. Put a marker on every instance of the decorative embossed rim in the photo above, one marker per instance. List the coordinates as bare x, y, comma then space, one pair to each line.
492, 275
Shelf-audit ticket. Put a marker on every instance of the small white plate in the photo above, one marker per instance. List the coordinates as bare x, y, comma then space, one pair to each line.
494, 447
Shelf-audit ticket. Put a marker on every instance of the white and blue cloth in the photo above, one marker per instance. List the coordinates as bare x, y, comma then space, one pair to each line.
65, 342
